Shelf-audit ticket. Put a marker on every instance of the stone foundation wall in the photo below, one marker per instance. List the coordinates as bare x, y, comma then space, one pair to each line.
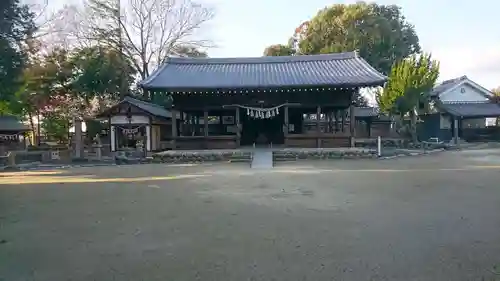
200, 157
323, 154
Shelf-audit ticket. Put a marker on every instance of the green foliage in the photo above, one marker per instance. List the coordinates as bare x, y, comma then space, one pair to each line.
16, 24
64, 84
496, 95
407, 89
379, 32
409, 84
279, 50
98, 71
56, 127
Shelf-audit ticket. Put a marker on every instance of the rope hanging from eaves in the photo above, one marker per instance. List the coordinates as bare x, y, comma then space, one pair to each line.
262, 113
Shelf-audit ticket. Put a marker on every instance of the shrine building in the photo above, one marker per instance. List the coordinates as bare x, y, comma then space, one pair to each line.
227, 103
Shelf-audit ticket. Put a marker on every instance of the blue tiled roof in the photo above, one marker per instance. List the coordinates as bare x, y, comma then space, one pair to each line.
472, 110
148, 107
370, 112
341, 69
446, 85
12, 124
366, 111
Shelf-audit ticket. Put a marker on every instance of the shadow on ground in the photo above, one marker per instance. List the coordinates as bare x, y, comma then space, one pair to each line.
424, 218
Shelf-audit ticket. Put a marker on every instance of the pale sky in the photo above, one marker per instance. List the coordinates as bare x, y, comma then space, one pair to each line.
463, 37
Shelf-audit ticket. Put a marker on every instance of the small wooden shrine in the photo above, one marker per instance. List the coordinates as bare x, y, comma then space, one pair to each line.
232, 102
138, 125
13, 134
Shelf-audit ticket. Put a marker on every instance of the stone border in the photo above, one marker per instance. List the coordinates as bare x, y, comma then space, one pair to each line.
181, 157
318, 154
194, 157
281, 156
414, 153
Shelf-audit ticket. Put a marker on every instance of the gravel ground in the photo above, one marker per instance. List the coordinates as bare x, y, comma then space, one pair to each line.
417, 218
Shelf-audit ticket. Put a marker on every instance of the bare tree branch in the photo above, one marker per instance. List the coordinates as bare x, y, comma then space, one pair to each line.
150, 30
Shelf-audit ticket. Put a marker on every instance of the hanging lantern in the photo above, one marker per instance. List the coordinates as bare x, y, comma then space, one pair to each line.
268, 114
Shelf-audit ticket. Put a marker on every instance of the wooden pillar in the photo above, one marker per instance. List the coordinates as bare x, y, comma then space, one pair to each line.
197, 121
318, 127
205, 128
455, 130
352, 125
286, 121
369, 128
343, 114
221, 125
174, 128
181, 123
238, 125
336, 114
205, 123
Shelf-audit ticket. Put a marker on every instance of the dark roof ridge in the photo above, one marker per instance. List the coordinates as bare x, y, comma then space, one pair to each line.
263, 60
337, 69
130, 98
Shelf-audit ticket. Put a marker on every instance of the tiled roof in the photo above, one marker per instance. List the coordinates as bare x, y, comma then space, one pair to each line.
366, 112
151, 108
12, 124
446, 85
472, 110
370, 112
341, 69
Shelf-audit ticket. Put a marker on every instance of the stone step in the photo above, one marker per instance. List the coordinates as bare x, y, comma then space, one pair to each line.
262, 159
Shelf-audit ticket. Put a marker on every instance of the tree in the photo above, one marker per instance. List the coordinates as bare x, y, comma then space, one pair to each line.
407, 89
496, 93
279, 50
496, 99
16, 24
64, 84
380, 33
56, 126
359, 100
97, 75
147, 31
190, 52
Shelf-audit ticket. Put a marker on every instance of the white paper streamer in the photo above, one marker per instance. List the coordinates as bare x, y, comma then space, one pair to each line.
262, 113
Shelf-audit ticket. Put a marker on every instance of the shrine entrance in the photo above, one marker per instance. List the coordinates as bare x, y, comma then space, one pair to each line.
130, 137
261, 126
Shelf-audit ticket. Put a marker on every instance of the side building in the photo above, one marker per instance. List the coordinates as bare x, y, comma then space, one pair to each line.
460, 109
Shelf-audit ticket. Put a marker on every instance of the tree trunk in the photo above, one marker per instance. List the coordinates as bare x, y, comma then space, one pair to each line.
32, 124
39, 130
